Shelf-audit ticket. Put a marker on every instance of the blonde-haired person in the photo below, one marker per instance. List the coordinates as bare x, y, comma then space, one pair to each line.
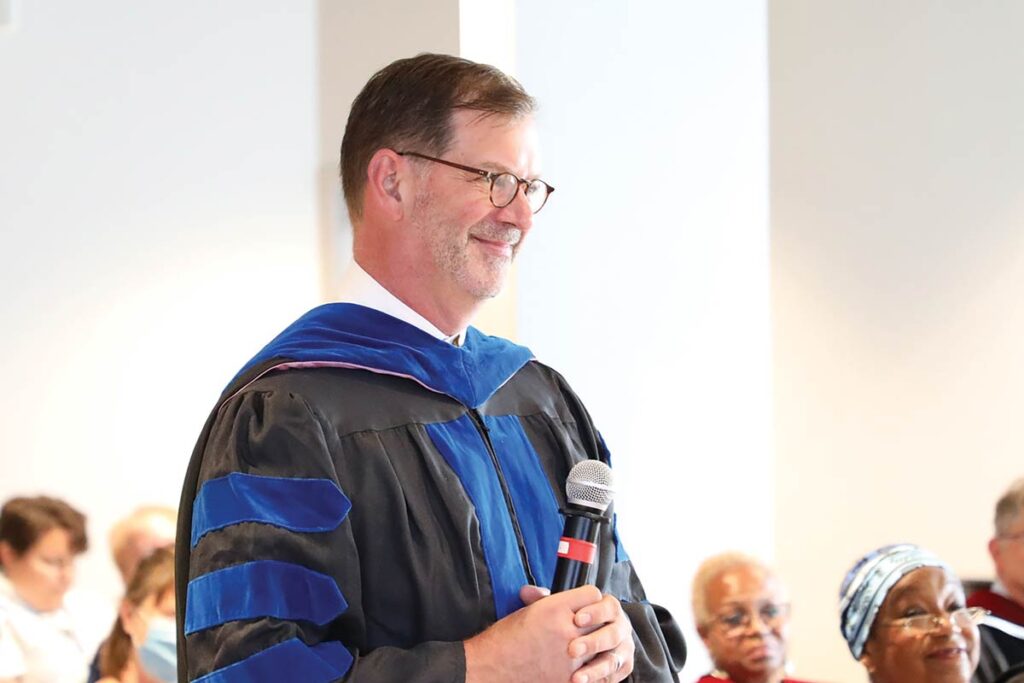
141, 645
904, 617
742, 615
136, 536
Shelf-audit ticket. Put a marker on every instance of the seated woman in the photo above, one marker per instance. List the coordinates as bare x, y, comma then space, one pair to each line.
742, 616
47, 631
141, 646
904, 616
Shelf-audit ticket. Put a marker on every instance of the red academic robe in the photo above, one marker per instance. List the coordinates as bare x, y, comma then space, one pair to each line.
1004, 608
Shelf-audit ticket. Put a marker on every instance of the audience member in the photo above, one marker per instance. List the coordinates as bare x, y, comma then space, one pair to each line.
133, 539
136, 536
903, 614
141, 646
742, 616
47, 631
1002, 632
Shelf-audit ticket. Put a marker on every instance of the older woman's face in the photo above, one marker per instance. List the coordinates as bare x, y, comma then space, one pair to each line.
946, 652
44, 572
749, 624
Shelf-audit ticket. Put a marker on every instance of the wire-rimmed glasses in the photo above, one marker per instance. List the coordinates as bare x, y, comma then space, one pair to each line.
964, 617
737, 620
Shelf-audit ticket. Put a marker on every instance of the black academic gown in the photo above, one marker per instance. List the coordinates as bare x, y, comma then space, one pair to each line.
364, 497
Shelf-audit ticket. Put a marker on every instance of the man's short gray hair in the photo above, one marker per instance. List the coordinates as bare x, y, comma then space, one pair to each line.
1009, 507
709, 570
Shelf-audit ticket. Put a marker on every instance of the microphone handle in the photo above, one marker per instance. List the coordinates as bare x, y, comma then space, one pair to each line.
577, 551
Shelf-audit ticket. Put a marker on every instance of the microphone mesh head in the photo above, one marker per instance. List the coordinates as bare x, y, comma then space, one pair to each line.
590, 484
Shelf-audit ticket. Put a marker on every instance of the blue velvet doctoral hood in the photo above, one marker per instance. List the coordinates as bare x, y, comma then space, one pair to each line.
355, 335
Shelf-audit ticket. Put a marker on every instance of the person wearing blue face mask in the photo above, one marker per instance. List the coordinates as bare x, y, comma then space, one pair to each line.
141, 647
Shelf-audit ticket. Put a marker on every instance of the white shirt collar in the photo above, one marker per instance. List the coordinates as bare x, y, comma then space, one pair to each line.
359, 287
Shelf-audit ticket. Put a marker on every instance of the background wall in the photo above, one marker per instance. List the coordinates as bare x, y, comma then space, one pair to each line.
158, 220
897, 176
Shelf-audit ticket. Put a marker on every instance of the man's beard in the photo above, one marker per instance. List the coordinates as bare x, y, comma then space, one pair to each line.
477, 272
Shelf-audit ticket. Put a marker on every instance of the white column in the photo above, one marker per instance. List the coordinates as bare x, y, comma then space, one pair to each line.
645, 281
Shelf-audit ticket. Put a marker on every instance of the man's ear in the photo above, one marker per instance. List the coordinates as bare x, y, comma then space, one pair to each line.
993, 549
386, 180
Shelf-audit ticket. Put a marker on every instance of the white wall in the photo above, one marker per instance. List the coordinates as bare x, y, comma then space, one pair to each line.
645, 279
157, 225
898, 267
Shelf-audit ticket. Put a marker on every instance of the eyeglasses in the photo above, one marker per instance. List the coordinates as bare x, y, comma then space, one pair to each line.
965, 617
504, 186
735, 622
1012, 537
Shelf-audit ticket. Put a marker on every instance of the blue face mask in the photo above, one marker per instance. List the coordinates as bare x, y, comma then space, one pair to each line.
159, 654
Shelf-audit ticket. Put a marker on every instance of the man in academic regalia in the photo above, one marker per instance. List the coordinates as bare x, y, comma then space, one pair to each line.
376, 496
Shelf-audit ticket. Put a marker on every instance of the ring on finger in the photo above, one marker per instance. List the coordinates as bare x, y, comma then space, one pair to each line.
618, 660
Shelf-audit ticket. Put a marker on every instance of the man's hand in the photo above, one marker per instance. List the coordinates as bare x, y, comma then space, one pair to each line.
578, 636
532, 644
607, 648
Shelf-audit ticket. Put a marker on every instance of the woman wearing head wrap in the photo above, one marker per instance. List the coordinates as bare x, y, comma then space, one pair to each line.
902, 612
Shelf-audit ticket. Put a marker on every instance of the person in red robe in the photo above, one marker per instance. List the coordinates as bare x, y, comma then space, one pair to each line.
742, 615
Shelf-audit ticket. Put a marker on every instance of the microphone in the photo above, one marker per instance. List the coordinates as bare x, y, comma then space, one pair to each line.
588, 492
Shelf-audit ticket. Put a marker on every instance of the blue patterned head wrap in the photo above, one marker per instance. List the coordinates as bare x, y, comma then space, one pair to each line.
866, 585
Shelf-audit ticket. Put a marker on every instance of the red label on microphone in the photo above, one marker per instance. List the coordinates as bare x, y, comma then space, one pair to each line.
575, 549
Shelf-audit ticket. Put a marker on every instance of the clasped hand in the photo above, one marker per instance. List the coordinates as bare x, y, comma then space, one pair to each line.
578, 636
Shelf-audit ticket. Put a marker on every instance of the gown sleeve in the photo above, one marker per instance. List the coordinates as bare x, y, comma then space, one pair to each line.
272, 568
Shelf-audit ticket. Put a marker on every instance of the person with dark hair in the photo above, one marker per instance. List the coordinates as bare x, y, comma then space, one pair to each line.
376, 496
47, 632
1002, 632
903, 615
141, 646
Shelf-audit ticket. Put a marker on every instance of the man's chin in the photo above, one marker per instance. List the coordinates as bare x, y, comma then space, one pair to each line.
488, 284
